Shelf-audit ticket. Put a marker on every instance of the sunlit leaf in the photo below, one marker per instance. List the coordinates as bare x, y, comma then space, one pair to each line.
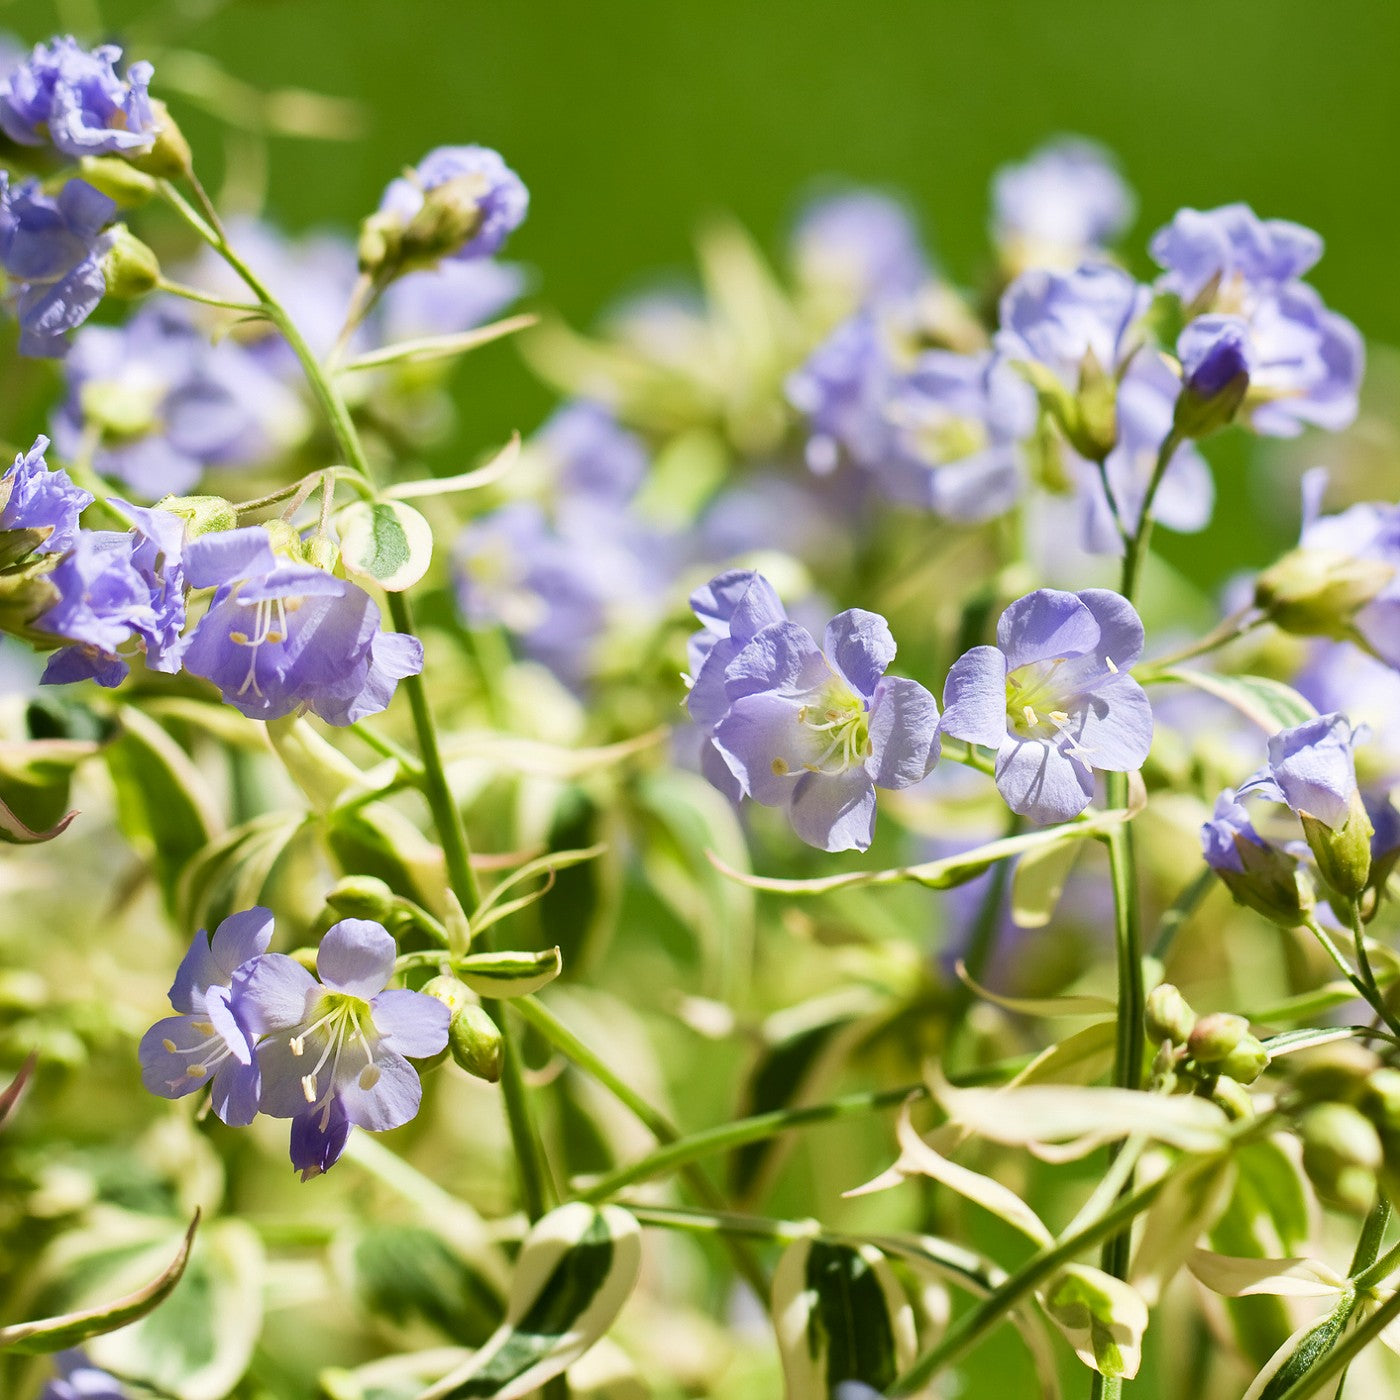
1268, 703
1102, 1317
1284, 1278
387, 542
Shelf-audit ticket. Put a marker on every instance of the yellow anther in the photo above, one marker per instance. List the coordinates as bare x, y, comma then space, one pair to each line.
308, 1087
195, 1071
239, 639
780, 768
1030, 716
369, 1076
169, 1046
1059, 716
203, 1027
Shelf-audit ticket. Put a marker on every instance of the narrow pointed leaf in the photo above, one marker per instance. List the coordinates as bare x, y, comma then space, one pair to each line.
1268, 703
1284, 1278
13, 1092
502, 975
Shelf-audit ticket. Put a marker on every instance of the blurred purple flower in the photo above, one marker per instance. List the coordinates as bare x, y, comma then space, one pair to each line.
1054, 699
34, 498
72, 97
592, 454
209, 1041
480, 176
860, 247
78, 1379
451, 297
333, 1053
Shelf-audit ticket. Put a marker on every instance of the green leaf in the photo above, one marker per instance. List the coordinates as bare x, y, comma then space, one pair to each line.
51, 1334
35, 779
164, 807
1190, 1205
577, 1267
939, 874
840, 1315
438, 347
1038, 881
387, 542
1268, 703
1300, 1353
1233, 1277
230, 874
199, 1344
1039, 1006
503, 975
1102, 1317
15, 832
486, 475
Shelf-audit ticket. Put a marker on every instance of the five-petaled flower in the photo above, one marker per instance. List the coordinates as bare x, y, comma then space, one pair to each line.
1054, 699
333, 1052
34, 498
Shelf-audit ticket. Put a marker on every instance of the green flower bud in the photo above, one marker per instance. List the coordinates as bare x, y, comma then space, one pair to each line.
475, 1042
362, 897
1343, 853
127, 188
170, 158
453, 994
451, 216
1246, 1062
320, 553
1096, 431
1341, 1153
1382, 1100
283, 538
1229, 1094
1318, 592
379, 247
1168, 1016
1215, 1037
1271, 883
1336, 1073
205, 515
129, 268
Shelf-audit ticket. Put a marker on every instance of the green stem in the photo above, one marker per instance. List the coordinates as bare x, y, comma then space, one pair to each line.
1234, 627
1341, 1356
1371, 995
1135, 546
1368, 977
534, 1013
745, 1130
1182, 908
982, 939
969, 755
179, 289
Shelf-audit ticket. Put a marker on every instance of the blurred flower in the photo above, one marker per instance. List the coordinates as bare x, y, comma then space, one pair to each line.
1054, 699
451, 297
281, 635
34, 498
593, 455
73, 98
51, 250
167, 404
1063, 203
857, 248
334, 1050
1305, 362
815, 732
1311, 769
79, 1379
209, 1041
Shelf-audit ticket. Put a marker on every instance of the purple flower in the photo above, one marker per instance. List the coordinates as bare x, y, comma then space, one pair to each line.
51, 250
79, 1379
816, 731
859, 248
170, 403
210, 1041
1229, 824
593, 455
283, 636
1054, 699
1305, 362
1186, 495
476, 175
333, 1053
1311, 769
1065, 201
34, 498
960, 422
73, 98
1060, 319
1214, 352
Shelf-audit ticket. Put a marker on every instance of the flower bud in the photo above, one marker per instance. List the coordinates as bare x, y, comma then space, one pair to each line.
1343, 853
475, 1042
380, 237
1314, 592
1228, 1093
129, 268
1382, 1101
1168, 1016
1095, 431
451, 216
1246, 1062
127, 188
1215, 371
1215, 1038
204, 515
363, 897
320, 553
1336, 1073
170, 158
1269, 882
1341, 1153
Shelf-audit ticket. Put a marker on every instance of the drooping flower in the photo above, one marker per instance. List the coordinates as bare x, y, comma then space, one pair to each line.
1260, 874
333, 1052
1064, 202
34, 498
169, 404
72, 98
1305, 362
478, 199
1229, 824
280, 636
209, 1042
1054, 699
857, 248
78, 1379
815, 730
51, 249
1311, 769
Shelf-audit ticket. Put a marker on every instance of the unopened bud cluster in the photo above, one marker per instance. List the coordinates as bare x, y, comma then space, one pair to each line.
1213, 1056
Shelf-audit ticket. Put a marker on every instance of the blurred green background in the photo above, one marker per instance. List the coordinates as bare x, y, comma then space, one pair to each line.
631, 120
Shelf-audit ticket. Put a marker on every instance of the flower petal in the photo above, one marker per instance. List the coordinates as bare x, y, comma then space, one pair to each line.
1046, 624
356, 957
318, 1138
411, 1023
859, 645
225, 556
903, 733
390, 1098
1039, 781
834, 811
273, 993
766, 746
782, 658
163, 1071
1120, 627
1114, 727
240, 938
974, 698
235, 1091
198, 970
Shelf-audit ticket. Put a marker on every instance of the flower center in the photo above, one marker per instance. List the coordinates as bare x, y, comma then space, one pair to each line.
205, 1057
839, 716
269, 627
1033, 702
949, 438
345, 1028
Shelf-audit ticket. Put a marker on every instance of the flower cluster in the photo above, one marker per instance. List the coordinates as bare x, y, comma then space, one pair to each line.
268, 1037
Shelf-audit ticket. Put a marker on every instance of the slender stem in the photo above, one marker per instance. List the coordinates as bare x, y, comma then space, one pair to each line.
534, 1013
206, 206
1341, 1356
745, 1130
1368, 977
982, 938
386, 748
1182, 908
969, 755
1135, 547
179, 289
1234, 627
1367, 994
